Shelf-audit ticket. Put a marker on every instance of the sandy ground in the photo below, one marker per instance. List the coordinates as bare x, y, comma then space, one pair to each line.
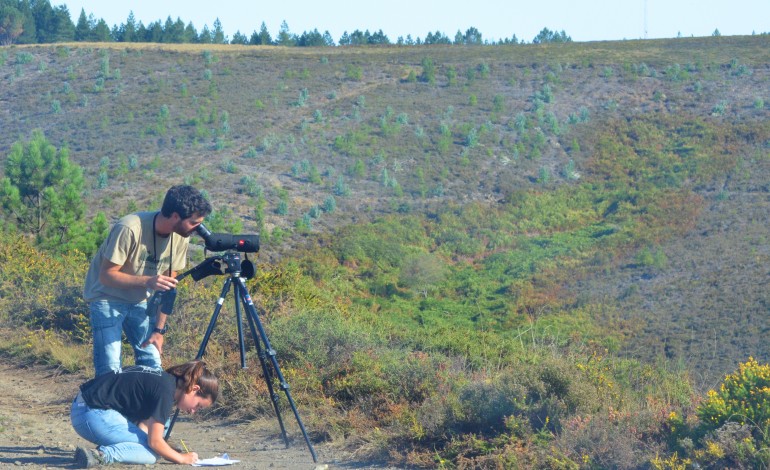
35, 431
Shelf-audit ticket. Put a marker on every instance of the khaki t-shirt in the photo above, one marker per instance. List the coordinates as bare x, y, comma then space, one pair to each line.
131, 244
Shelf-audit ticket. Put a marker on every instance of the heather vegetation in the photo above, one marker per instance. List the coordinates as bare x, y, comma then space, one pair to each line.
514, 256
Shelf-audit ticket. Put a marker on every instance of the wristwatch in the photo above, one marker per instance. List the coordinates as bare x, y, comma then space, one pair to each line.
161, 331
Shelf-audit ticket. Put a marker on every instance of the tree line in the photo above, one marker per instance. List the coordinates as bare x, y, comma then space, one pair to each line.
38, 22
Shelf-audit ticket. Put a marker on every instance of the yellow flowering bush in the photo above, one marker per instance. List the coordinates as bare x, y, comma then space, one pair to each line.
673, 462
743, 398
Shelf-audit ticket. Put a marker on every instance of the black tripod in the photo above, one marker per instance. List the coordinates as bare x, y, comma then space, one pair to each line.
230, 263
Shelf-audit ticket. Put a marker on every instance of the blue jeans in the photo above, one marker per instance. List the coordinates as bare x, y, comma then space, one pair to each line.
109, 320
119, 440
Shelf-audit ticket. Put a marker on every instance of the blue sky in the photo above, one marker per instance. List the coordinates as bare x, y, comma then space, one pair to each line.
583, 20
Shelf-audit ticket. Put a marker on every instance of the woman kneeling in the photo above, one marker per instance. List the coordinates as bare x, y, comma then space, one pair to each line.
125, 413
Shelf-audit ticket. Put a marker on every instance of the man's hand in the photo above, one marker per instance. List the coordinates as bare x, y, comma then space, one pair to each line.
161, 282
155, 339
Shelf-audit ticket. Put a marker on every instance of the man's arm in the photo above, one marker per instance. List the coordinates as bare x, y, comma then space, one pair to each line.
111, 275
156, 337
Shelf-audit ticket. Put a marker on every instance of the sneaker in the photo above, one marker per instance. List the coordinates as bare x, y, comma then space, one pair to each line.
87, 458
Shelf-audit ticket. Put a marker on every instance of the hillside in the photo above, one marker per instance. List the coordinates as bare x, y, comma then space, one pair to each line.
398, 131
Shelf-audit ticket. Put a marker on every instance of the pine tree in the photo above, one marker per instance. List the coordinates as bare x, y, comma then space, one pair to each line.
218, 35
205, 37
128, 31
63, 27
29, 33
263, 38
41, 193
239, 38
82, 29
11, 25
101, 32
190, 34
285, 38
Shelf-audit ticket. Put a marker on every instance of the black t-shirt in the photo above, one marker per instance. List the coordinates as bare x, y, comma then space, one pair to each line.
137, 393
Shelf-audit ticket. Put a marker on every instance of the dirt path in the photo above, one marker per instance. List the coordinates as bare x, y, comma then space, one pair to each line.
35, 431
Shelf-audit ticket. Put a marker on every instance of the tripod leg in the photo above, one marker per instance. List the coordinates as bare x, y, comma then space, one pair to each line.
252, 311
266, 373
239, 324
205, 341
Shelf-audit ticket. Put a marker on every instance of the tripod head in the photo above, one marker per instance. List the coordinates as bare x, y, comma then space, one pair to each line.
227, 263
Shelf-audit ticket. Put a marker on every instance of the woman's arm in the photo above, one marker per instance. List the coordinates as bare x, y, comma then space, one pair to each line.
160, 446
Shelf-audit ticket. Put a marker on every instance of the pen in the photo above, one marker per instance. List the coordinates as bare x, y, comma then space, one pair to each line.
185, 447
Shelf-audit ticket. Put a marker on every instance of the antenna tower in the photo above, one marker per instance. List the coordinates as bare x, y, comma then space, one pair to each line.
645, 19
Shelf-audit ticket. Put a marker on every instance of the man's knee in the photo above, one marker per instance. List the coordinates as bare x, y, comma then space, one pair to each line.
107, 356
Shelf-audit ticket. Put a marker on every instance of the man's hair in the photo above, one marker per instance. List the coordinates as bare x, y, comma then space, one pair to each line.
185, 201
194, 373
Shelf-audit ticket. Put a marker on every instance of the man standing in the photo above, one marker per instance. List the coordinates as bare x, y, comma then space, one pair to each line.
143, 253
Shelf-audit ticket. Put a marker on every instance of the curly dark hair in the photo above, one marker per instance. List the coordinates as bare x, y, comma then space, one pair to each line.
185, 201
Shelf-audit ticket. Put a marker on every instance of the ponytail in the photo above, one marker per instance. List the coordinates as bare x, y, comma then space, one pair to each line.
195, 373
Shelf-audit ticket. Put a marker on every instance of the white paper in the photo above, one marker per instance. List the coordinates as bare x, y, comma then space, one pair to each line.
224, 459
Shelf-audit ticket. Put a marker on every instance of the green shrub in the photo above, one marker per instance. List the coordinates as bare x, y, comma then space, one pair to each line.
354, 72
42, 291
250, 186
451, 75
651, 257
99, 85
497, 103
341, 188
472, 138
282, 208
483, 69
428, 74
719, 109
302, 98
105, 65
24, 57
329, 205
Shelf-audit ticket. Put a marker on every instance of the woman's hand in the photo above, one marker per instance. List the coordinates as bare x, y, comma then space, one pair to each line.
155, 438
189, 458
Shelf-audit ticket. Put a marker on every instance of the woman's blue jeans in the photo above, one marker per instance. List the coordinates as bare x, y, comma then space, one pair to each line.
119, 440
109, 320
